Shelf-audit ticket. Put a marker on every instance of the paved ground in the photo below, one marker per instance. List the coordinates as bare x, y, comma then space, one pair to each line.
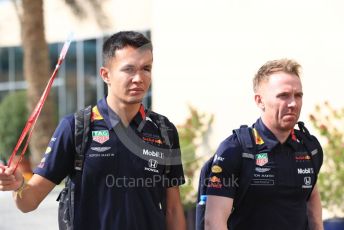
45, 217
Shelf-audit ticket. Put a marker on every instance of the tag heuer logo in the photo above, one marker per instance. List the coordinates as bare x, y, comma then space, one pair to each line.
261, 159
100, 136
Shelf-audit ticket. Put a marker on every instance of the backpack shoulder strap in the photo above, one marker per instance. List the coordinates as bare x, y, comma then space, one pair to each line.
66, 199
245, 138
82, 127
312, 146
166, 139
161, 123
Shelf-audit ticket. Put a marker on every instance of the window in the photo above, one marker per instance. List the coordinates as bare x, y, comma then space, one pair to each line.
78, 82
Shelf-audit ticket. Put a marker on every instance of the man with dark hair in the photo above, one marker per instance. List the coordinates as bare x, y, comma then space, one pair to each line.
281, 191
130, 170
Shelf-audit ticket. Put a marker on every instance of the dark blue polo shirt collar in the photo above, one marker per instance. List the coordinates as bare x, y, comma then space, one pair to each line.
270, 141
292, 140
112, 119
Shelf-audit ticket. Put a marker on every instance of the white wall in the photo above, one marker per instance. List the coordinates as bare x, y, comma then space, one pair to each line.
206, 53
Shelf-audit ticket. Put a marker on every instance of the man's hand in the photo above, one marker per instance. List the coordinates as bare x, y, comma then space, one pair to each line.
10, 181
27, 196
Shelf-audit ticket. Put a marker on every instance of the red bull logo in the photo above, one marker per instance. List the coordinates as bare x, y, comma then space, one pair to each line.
215, 182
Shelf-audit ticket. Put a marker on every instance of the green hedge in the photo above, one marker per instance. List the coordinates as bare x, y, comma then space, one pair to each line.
13, 116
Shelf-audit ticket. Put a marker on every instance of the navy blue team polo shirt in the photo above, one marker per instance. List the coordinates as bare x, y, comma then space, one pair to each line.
281, 183
123, 182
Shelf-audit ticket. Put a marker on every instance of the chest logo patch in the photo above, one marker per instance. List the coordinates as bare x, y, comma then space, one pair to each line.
214, 182
100, 136
307, 182
216, 169
153, 153
302, 156
48, 150
217, 158
262, 170
100, 149
152, 166
262, 159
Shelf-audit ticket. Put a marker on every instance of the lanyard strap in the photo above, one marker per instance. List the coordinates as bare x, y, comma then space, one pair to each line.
30, 123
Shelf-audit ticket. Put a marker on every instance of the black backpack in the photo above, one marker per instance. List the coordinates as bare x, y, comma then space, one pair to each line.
246, 140
82, 128
82, 120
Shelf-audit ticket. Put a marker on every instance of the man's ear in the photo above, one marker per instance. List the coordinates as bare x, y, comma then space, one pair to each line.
104, 74
259, 101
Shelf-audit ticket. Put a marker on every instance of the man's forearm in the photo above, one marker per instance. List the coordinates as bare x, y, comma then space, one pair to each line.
175, 219
31, 195
214, 226
314, 211
24, 200
217, 212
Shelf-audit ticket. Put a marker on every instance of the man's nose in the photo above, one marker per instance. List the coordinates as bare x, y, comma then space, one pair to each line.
138, 77
292, 102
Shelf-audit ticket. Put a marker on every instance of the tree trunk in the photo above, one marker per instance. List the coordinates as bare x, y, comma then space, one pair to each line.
36, 73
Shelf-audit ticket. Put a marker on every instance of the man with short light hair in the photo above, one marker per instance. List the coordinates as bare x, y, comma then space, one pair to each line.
282, 193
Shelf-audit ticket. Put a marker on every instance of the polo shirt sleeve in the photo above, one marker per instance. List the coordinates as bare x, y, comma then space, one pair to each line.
58, 158
176, 175
224, 173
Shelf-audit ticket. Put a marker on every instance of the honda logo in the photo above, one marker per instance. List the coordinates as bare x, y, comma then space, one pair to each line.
152, 163
307, 180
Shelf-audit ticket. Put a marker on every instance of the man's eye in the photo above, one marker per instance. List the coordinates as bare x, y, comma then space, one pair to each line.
129, 70
282, 95
299, 95
147, 69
